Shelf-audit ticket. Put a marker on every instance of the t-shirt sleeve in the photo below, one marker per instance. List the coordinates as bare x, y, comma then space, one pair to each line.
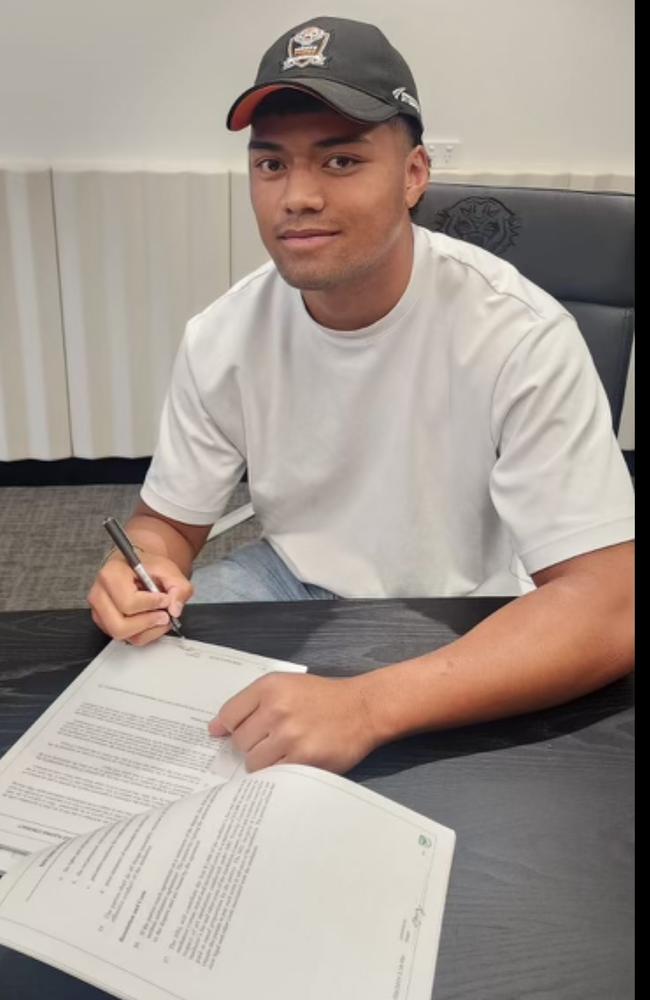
195, 466
560, 482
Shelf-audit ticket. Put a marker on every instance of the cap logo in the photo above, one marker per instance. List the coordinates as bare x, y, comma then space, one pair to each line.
306, 48
401, 94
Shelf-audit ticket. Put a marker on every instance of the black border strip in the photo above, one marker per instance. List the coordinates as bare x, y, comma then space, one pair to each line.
73, 471
111, 471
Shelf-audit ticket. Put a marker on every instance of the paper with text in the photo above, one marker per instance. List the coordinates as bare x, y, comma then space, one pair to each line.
128, 736
291, 884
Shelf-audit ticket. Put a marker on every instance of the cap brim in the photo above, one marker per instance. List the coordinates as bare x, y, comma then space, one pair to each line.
346, 100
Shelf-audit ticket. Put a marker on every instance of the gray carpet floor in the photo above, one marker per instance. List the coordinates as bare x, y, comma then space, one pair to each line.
52, 541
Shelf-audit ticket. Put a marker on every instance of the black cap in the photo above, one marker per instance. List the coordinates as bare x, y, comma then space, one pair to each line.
349, 65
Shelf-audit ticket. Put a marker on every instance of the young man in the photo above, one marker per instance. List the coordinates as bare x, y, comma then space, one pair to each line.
416, 419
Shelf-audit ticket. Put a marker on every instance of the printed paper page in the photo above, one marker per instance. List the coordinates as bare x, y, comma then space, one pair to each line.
291, 884
129, 735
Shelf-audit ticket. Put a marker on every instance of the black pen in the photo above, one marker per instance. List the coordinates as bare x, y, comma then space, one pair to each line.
124, 544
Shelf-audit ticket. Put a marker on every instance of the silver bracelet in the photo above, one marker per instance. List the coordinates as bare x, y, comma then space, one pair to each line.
114, 549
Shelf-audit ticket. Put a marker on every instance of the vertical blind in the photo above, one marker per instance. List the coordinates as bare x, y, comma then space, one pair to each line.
100, 271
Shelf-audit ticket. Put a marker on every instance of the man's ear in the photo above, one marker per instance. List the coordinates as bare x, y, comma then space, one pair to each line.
416, 175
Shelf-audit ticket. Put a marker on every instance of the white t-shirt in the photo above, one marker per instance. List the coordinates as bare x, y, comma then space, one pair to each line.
454, 447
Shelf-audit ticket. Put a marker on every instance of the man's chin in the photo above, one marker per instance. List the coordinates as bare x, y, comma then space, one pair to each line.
306, 280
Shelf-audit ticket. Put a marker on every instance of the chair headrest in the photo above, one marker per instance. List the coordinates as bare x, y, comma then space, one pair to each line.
576, 245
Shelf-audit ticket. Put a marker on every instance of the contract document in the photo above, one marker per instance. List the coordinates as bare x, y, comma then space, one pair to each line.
144, 859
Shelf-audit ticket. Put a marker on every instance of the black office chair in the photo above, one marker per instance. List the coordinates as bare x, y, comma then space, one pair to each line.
578, 246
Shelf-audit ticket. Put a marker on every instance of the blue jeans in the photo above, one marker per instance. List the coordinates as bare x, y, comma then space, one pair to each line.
253, 572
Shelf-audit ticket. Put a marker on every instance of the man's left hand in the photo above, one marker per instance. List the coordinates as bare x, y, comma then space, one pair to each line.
299, 719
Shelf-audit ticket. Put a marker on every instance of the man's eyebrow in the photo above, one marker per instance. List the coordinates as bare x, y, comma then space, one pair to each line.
337, 140
342, 140
258, 144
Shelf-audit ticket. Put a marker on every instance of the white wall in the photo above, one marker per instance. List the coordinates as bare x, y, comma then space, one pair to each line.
537, 86
524, 84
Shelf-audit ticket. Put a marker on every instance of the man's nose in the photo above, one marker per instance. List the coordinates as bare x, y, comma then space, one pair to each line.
302, 192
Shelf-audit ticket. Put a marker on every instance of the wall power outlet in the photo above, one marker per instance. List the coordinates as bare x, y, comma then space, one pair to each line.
443, 153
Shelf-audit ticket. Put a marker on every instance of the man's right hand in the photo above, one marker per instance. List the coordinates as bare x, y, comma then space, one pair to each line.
122, 608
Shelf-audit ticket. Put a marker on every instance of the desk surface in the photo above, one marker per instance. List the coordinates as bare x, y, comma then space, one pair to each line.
540, 901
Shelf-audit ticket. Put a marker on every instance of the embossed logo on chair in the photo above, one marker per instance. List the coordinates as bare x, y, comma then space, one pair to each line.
486, 222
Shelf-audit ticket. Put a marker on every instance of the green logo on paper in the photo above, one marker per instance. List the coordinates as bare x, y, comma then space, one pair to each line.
424, 841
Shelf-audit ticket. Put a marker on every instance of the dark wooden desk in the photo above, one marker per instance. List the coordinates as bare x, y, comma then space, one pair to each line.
541, 895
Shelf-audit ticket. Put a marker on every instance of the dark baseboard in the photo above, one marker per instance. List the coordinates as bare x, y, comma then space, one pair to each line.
84, 471
73, 471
